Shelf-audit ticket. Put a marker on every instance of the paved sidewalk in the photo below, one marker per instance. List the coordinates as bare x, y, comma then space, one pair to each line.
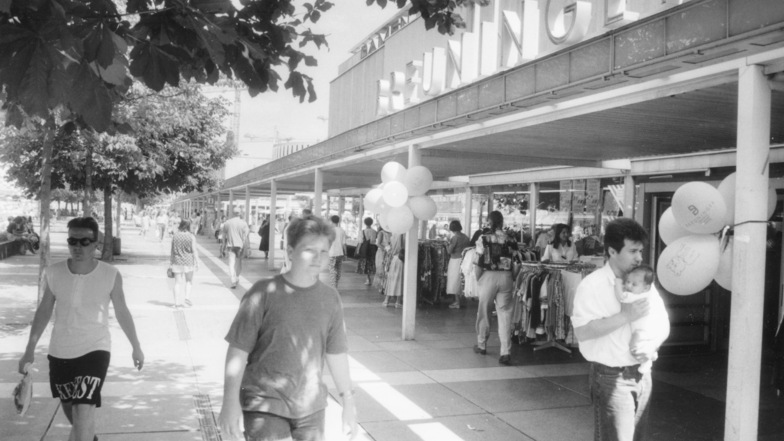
433, 388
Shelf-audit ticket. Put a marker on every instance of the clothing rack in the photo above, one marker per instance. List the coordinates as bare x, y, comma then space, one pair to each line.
432, 268
534, 315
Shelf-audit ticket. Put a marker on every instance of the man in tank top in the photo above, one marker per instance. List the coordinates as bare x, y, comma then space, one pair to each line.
78, 292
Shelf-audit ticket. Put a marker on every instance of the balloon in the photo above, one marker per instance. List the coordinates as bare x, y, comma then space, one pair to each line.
669, 230
724, 274
699, 208
372, 199
727, 190
395, 194
689, 264
400, 220
393, 171
382, 219
423, 207
418, 180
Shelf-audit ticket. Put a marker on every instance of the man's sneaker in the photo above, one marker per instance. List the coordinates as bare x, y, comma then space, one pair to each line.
505, 360
479, 350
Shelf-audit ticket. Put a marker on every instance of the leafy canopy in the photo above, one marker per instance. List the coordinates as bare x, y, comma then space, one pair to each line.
81, 57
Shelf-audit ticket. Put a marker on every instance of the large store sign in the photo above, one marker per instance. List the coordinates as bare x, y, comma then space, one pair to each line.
510, 39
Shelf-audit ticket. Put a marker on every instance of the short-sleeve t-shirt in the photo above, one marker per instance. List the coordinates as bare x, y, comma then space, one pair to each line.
287, 330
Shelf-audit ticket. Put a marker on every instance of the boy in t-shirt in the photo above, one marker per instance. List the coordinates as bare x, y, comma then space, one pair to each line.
636, 286
285, 329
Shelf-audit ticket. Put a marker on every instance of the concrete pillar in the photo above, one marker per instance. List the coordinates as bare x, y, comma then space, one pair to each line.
748, 260
361, 216
410, 266
628, 196
272, 218
230, 209
247, 205
318, 183
467, 215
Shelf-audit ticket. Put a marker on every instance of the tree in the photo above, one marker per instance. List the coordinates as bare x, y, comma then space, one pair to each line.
177, 145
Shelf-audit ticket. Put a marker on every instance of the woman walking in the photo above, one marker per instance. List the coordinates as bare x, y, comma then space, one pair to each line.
264, 233
367, 259
382, 259
394, 274
457, 243
184, 261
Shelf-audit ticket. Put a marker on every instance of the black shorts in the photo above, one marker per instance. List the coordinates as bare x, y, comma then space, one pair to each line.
79, 380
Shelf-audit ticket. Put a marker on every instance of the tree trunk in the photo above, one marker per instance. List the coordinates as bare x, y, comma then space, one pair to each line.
88, 180
45, 198
107, 255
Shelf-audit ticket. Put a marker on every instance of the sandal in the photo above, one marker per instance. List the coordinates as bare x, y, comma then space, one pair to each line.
385, 303
398, 305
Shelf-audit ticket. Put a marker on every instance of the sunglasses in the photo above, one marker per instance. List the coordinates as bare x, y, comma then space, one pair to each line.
84, 241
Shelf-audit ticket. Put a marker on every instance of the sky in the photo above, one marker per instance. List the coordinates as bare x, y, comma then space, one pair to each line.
271, 116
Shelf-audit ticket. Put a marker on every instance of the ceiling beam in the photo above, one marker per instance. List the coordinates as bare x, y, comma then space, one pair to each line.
522, 160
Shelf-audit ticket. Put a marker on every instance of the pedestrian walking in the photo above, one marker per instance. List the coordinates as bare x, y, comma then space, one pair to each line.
162, 222
393, 289
457, 243
620, 391
383, 240
496, 269
264, 233
273, 386
235, 240
367, 251
184, 261
78, 291
337, 252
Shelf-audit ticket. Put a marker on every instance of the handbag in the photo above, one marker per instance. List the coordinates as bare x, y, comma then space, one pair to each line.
169, 273
361, 251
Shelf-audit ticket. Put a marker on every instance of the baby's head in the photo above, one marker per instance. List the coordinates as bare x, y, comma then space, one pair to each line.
639, 280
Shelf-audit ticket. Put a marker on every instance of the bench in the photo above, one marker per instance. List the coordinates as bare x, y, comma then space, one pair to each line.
10, 248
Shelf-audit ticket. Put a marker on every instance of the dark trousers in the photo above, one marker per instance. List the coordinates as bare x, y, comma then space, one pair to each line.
620, 398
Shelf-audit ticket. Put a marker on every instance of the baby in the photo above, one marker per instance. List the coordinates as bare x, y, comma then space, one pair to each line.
637, 286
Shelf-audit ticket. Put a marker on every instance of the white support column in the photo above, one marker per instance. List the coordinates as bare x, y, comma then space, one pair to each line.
272, 220
230, 208
628, 196
533, 202
360, 216
318, 183
748, 260
247, 205
467, 203
410, 266
341, 208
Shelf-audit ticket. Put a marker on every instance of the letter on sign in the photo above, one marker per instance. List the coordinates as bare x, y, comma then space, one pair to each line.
567, 20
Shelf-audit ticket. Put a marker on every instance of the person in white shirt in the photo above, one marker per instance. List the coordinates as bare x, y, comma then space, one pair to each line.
620, 392
561, 249
337, 252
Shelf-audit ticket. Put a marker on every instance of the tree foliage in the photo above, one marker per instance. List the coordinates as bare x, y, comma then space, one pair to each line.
177, 144
83, 56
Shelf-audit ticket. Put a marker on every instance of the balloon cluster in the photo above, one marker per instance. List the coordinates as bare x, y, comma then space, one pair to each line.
401, 197
694, 229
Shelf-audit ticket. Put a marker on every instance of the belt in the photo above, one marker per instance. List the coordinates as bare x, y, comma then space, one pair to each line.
614, 370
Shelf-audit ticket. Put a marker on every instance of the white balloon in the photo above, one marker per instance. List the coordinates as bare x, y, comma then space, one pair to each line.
395, 194
724, 274
382, 218
699, 207
669, 229
727, 191
400, 220
393, 171
689, 264
423, 207
372, 199
418, 180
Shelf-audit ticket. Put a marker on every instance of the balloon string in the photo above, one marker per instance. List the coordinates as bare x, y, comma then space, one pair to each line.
750, 222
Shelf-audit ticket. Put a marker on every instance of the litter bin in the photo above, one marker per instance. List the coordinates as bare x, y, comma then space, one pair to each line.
116, 242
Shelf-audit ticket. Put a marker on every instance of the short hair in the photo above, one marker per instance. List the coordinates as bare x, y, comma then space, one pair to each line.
85, 222
621, 229
335, 219
185, 225
647, 273
368, 221
496, 220
455, 226
301, 227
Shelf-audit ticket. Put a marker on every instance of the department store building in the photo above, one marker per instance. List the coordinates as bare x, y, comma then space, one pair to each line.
575, 111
